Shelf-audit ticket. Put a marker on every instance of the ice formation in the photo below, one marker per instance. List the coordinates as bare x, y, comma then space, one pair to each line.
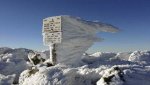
78, 35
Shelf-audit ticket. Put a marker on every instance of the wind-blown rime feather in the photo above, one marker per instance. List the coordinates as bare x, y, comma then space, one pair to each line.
78, 35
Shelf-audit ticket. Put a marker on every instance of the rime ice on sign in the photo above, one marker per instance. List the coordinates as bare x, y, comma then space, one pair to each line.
52, 35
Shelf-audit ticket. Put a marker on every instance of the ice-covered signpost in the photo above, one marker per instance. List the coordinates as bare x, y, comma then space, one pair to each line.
52, 35
69, 37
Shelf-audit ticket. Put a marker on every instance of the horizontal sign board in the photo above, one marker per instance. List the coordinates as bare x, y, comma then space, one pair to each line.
52, 30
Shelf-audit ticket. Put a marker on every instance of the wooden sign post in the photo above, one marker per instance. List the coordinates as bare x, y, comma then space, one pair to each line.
52, 35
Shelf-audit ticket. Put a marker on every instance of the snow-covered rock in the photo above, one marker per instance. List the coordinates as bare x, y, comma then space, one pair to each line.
10, 64
4, 50
140, 56
6, 80
85, 75
98, 56
35, 58
18, 52
13, 61
112, 76
136, 74
127, 75
123, 55
61, 75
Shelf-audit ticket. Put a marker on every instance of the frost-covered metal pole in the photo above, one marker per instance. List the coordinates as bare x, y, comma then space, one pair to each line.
50, 54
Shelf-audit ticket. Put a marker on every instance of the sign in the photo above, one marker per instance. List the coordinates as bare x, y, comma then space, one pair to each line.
52, 30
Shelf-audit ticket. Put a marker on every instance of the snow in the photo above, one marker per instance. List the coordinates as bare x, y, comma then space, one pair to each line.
120, 72
60, 75
93, 70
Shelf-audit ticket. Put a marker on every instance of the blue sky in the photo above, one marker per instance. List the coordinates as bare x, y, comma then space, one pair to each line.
21, 22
